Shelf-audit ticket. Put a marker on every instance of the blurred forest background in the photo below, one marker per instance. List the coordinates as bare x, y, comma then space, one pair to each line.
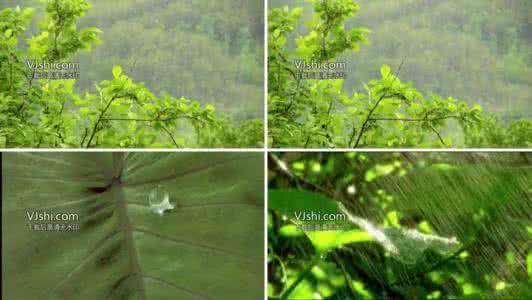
479, 51
210, 51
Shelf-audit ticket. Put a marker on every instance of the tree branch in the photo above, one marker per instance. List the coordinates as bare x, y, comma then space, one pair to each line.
368, 117
353, 133
170, 135
84, 137
421, 120
100, 117
414, 120
151, 120
439, 136
372, 110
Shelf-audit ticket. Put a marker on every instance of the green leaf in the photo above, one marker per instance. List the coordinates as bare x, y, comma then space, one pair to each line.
392, 219
294, 202
501, 285
424, 227
469, 289
385, 71
117, 71
290, 231
370, 175
209, 246
8, 33
378, 171
360, 289
325, 241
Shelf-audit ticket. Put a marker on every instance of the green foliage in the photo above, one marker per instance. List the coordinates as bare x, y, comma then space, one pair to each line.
207, 50
329, 37
121, 113
472, 50
312, 113
288, 202
517, 134
421, 226
59, 38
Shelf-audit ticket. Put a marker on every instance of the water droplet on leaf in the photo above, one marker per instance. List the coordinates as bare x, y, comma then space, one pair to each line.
159, 201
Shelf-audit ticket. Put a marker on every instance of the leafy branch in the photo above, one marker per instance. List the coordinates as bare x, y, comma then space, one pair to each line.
100, 117
301, 111
372, 110
50, 113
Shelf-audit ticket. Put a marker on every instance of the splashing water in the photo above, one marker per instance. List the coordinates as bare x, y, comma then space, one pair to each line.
159, 201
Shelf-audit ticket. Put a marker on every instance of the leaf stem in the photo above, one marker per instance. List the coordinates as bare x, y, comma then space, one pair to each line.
301, 277
95, 128
372, 110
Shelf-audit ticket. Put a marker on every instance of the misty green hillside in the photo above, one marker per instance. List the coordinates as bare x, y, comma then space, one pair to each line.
211, 51
132, 73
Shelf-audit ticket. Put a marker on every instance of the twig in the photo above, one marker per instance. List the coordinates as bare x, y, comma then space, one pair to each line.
372, 110
94, 130
170, 135
413, 120
306, 272
438, 134
150, 120
84, 136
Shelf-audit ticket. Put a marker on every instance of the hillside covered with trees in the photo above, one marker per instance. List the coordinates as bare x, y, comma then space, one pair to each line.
480, 51
199, 58
417, 74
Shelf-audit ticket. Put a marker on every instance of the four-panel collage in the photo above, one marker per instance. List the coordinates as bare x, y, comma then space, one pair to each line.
266, 149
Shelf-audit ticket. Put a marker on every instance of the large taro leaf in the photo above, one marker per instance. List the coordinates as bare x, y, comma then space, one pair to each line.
208, 246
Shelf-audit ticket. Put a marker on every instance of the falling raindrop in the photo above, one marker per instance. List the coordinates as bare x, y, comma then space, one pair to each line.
159, 201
